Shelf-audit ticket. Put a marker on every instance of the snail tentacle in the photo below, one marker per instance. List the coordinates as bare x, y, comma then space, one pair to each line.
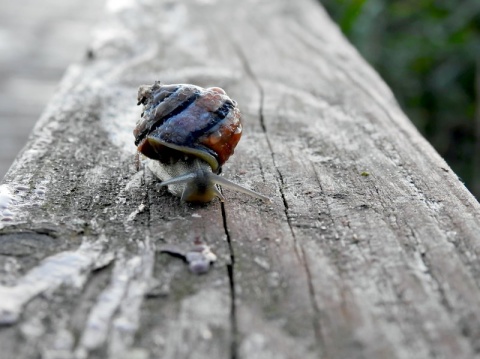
218, 193
236, 187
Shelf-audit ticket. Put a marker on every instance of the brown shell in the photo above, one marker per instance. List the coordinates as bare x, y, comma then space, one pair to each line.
187, 119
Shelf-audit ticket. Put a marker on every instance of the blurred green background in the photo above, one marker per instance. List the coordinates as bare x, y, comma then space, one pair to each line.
428, 52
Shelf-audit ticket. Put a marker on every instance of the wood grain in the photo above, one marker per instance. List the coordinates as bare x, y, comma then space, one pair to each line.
369, 248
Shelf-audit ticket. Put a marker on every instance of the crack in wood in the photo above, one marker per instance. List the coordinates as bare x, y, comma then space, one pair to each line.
299, 254
231, 278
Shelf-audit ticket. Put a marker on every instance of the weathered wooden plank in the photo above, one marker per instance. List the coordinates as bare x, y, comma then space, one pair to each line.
369, 248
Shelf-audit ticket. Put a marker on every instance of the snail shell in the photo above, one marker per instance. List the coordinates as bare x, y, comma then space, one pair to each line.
187, 133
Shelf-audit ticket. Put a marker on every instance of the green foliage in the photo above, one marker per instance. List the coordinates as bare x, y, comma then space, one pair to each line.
428, 52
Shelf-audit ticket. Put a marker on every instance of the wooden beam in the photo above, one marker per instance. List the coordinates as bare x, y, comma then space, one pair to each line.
369, 249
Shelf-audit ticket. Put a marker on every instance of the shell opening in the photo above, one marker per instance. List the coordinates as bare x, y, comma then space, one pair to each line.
156, 145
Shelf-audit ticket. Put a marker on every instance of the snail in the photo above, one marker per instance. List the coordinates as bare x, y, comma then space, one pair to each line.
187, 133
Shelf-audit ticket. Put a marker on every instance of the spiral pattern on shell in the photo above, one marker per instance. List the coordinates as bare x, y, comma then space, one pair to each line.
184, 119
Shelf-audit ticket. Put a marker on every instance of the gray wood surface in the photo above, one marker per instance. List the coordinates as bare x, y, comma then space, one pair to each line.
369, 249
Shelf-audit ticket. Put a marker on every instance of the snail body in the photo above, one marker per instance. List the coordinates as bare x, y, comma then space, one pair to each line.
187, 133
